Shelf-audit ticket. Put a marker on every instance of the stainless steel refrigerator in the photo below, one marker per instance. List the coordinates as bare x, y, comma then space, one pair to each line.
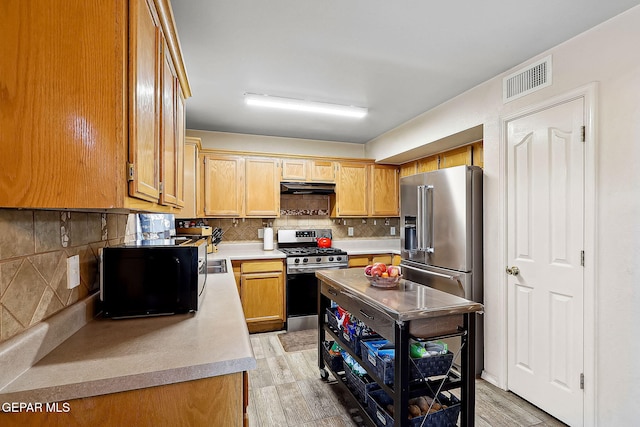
441, 234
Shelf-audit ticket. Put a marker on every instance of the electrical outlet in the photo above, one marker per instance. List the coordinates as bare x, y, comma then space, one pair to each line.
392, 231
73, 271
350, 231
260, 233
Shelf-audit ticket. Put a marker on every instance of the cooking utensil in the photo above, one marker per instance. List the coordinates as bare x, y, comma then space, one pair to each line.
217, 235
324, 242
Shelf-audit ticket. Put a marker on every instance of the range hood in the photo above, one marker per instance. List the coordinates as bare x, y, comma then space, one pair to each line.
307, 188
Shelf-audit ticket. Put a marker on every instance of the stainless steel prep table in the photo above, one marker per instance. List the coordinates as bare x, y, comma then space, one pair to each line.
409, 310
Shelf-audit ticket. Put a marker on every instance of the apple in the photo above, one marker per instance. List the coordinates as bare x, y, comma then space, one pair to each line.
376, 270
381, 265
367, 270
393, 271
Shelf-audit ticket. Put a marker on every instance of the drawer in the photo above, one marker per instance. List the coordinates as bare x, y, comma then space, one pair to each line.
262, 266
375, 319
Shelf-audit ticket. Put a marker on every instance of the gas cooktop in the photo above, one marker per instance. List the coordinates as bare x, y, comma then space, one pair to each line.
303, 253
310, 251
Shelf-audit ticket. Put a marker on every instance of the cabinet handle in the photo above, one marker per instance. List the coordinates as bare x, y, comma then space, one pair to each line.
332, 292
368, 316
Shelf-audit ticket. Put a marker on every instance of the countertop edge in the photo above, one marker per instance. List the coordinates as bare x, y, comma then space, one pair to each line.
87, 389
16, 387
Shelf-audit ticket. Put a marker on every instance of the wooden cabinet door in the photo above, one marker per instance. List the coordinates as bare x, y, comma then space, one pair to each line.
358, 261
322, 170
385, 191
223, 185
180, 136
191, 178
294, 169
428, 164
352, 189
457, 157
168, 138
262, 296
262, 187
144, 133
62, 104
408, 169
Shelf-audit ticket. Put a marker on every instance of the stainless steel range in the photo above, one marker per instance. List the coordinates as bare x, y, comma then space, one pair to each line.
304, 258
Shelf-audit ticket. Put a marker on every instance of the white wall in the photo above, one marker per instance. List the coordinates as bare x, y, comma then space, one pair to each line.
273, 144
607, 54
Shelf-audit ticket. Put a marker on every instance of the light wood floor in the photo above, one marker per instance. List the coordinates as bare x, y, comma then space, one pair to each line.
286, 390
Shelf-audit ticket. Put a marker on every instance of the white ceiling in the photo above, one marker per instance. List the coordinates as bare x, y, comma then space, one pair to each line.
398, 58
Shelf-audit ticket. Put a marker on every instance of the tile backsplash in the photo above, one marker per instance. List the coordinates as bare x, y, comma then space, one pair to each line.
305, 211
34, 247
238, 230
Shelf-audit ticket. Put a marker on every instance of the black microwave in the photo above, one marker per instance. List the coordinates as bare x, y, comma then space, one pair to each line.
153, 277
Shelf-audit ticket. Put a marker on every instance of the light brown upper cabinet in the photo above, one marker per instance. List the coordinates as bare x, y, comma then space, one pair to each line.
223, 185
457, 157
294, 169
237, 186
470, 154
385, 190
308, 170
352, 190
156, 153
192, 187
366, 189
171, 146
262, 191
82, 110
322, 170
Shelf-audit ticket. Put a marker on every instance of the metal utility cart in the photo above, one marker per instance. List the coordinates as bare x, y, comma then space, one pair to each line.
408, 311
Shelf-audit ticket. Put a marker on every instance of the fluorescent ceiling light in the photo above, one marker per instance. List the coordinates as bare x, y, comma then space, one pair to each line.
302, 105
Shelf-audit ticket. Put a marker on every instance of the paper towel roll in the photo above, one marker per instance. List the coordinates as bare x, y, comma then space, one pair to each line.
268, 239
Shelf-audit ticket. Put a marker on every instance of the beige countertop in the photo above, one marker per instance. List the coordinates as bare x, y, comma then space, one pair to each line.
108, 356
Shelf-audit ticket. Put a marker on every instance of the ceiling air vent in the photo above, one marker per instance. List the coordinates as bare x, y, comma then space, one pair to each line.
523, 82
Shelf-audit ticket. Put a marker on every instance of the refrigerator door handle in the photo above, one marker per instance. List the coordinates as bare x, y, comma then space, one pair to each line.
433, 273
428, 190
420, 219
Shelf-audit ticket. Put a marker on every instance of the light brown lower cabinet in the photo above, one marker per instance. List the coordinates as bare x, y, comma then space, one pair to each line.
261, 287
364, 260
214, 401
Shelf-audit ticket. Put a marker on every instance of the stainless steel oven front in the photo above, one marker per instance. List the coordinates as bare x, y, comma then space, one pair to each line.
304, 258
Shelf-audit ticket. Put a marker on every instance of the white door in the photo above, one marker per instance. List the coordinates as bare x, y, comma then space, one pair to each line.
545, 214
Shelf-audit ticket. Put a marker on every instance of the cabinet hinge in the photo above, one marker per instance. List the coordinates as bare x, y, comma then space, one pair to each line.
161, 187
130, 171
582, 381
582, 258
584, 133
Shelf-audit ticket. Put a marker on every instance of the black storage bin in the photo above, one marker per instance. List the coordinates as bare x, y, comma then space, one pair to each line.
333, 362
448, 417
430, 366
360, 386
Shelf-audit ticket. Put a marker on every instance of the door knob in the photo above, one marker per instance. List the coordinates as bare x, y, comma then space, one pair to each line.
514, 271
